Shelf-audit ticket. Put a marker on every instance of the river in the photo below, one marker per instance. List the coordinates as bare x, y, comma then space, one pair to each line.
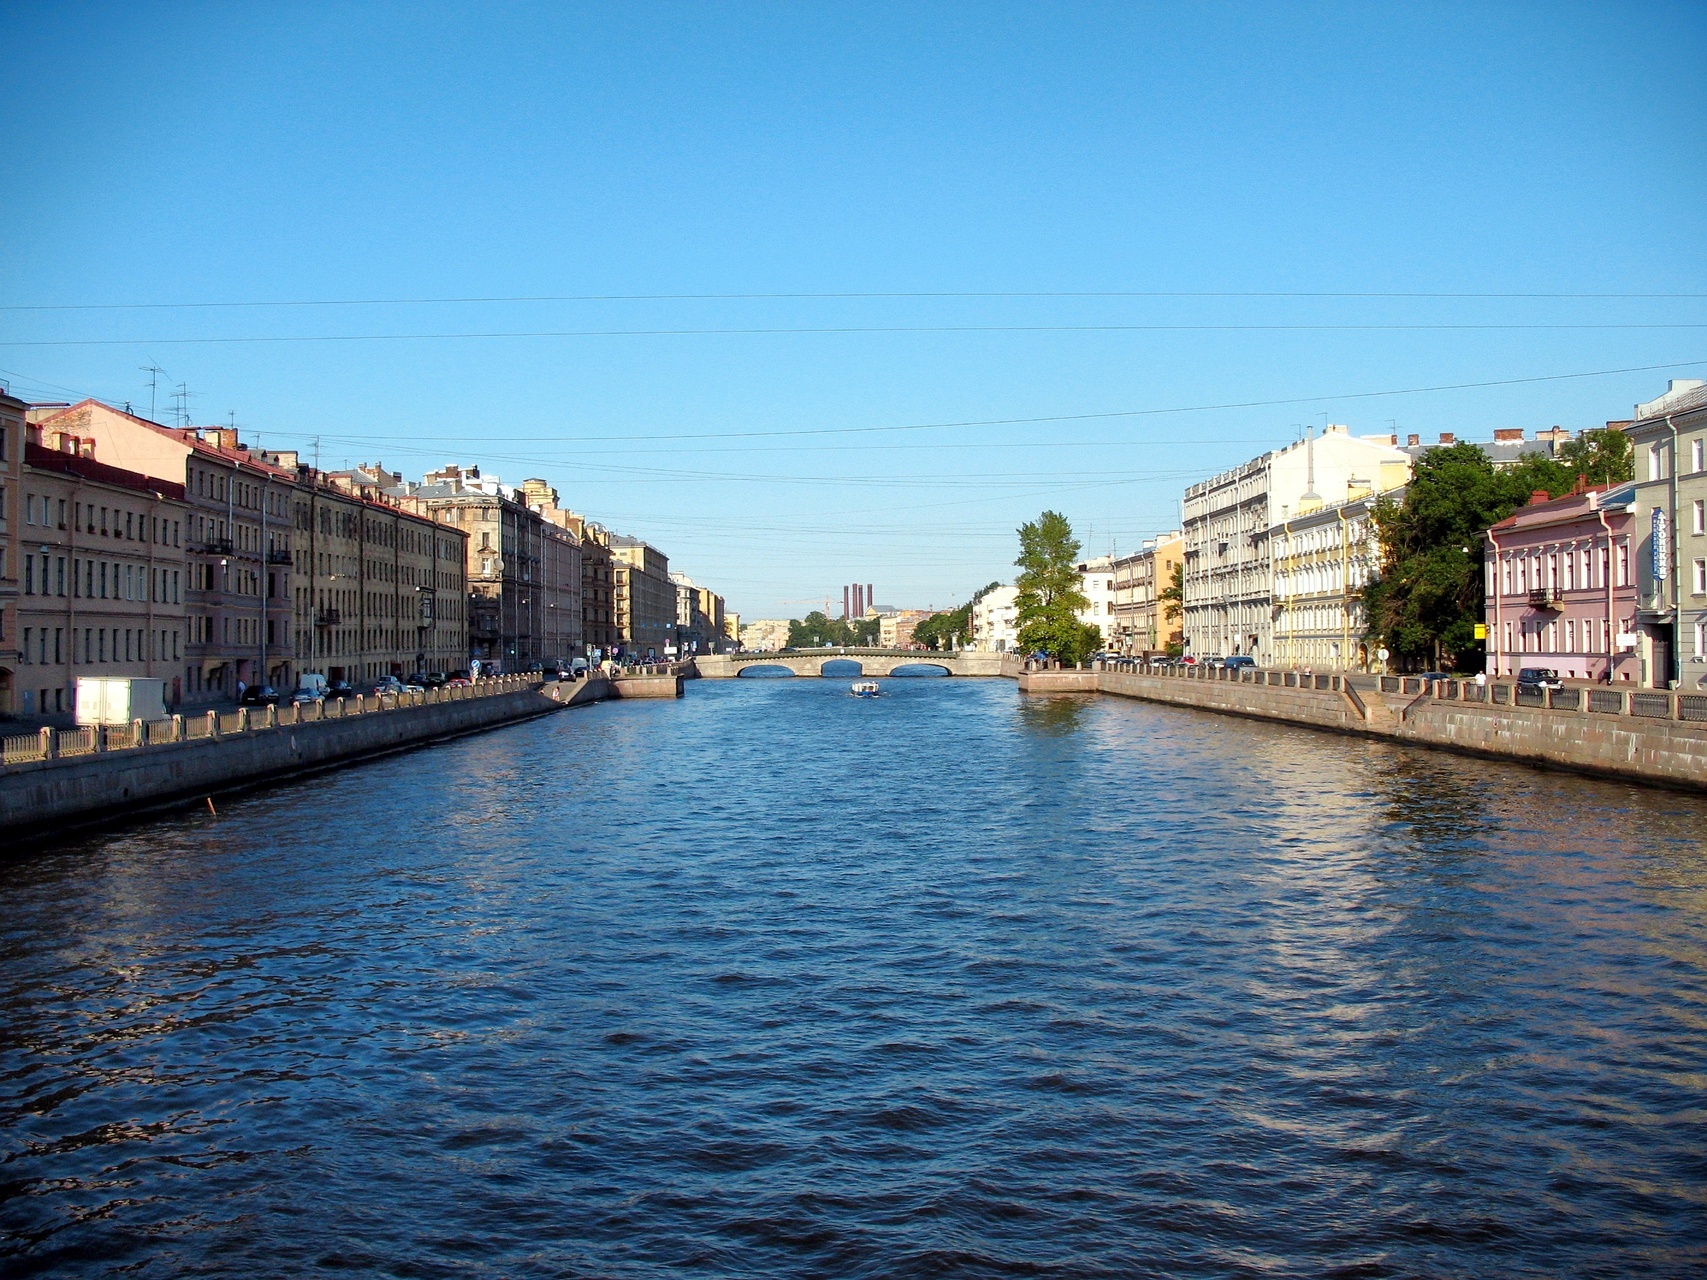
773, 981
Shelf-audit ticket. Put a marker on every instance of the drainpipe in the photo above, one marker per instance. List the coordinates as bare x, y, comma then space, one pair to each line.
1345, 584
1611, 620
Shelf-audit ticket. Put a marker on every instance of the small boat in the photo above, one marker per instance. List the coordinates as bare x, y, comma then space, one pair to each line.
865, 689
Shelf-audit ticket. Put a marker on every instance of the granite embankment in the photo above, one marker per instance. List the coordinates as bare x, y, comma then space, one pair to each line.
58, 781
1644, 735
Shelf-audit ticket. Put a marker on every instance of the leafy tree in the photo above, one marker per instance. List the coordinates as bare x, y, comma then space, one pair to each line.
1601, 456
944, 630
1049, 596
1173, 605
1427, 600
816, 630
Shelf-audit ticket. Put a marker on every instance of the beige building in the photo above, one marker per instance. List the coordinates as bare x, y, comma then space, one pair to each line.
1669, 436
12, 412
765, 635
1096, 581
1229, 569
895, 629
380, 587
561, 577
644, 598
1139, 622
102, 576
236, 541
1323, 558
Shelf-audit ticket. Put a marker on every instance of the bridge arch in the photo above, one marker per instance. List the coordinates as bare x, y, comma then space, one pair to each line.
842, 669
916, 670
764, 671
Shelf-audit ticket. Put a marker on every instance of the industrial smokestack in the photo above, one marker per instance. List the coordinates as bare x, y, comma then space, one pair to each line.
870, 595
845, 614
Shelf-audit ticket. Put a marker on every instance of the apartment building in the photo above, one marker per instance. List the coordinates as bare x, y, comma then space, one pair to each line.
236, 531
1669, 436
765, 635
1558, 588
995, 621
561, 575
102, 576
12, 418
1323, 559
1096, 581
1228, 577
643, 598
1139, 622
379, 586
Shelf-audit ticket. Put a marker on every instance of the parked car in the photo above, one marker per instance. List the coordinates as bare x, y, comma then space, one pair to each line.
1539, 678
1240, 660
259, 695
340, 689
431, 679
458, 682
302, 697
1429, 677
389, 685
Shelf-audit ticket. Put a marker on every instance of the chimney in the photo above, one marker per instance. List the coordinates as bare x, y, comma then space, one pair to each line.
1413, 439
1539, 496
1507, 433
1446, 437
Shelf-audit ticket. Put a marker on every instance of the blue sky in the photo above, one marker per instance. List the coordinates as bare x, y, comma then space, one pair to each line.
628, 155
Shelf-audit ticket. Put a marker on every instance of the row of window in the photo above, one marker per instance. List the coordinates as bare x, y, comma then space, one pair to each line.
1568, 568
45, 575
52, 513
96, 645
1659, 457
1592, 635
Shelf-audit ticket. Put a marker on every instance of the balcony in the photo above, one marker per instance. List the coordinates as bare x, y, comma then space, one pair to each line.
279, 555
217, 547
1546, 598
327, 618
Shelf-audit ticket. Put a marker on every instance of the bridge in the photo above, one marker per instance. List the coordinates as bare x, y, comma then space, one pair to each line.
854, 662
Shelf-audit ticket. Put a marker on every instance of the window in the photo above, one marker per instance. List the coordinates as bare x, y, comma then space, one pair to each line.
1698, 514
1698, 454
1570, 636
1657, 460
1624, 565
1701, 577
1701, 639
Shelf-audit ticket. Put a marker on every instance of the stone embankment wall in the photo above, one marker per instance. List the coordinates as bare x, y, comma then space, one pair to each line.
1643, 735
130, 768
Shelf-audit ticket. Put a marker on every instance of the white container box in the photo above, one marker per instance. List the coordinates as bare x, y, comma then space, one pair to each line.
120, 699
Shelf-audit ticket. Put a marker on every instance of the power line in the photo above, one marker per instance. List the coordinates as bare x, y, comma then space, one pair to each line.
847, 296
832, 330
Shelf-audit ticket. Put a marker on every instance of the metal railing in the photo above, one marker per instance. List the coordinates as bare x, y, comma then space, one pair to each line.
1651, 704
49, 744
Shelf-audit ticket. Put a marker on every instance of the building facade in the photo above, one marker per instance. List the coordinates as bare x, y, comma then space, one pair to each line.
643, 598
12, 439
1669, 436
1228, 577
1323, 559
765, 635
1096, 581
560, 575
1138, 614
995, 621
379, 587
1558, 590
237, 597
102, 576
896, 626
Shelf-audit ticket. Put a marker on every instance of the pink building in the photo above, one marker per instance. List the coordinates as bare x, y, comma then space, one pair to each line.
1558, 589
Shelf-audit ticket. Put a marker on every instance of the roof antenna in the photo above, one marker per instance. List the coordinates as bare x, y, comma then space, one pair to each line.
153, 371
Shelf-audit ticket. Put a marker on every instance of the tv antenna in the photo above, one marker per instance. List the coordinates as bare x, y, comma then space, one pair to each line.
153, 371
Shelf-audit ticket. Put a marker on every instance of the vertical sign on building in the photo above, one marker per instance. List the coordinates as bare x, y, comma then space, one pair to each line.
1661, 546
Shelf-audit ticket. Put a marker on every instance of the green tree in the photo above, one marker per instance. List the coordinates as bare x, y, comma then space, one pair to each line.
1173, 605
952, 626
816, 630
1601, 456
1427, 600
1049, 597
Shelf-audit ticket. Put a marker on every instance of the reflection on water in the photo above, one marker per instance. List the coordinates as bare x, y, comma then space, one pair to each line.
775, 981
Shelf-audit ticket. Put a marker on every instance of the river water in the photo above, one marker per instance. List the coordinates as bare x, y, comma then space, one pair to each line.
773, 981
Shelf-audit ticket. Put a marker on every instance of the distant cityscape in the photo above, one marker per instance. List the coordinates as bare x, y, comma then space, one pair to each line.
1273, 556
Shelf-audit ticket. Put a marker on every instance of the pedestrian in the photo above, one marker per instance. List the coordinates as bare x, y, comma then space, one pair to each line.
241, 686
1481, 679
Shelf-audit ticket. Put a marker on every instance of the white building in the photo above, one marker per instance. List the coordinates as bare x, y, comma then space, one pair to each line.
1096, 580
1229, 570
995, 621
1669, 436
765, 635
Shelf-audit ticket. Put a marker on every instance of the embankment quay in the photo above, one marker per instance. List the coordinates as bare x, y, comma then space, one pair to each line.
55, 781
871, 662
1643, 735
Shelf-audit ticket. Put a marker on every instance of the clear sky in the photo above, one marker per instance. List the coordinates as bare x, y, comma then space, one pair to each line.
1188, 170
